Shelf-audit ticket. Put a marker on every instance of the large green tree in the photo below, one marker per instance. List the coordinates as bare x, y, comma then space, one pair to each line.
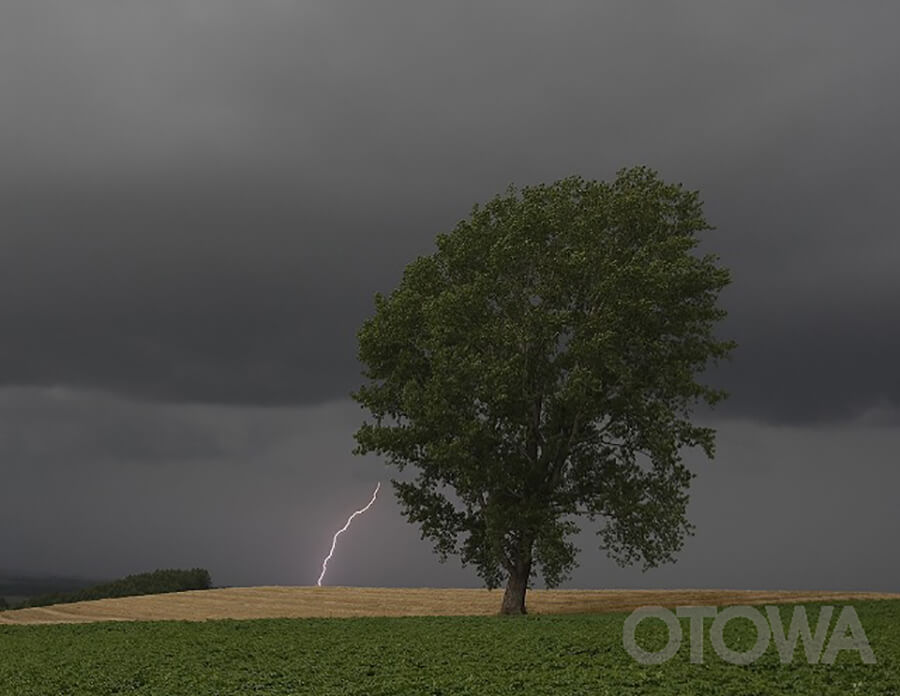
539, 371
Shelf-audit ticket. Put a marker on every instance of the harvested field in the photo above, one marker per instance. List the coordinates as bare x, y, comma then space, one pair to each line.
305, 602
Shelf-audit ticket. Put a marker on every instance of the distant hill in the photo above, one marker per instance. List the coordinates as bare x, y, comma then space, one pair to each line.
15, 585
156, 582
305, 602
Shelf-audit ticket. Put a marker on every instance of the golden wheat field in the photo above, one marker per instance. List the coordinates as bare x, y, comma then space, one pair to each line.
305, 602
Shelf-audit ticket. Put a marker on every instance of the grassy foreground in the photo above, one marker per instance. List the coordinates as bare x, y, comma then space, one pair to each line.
570, 655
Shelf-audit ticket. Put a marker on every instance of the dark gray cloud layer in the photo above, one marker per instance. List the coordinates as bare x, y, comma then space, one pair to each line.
200, 199
102, 487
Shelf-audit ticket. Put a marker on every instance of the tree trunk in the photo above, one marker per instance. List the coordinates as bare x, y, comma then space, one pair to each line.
514, 596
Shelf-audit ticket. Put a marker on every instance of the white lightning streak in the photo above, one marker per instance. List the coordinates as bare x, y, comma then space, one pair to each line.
342, 530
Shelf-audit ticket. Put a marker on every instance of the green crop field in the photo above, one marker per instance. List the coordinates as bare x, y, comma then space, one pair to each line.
481, 656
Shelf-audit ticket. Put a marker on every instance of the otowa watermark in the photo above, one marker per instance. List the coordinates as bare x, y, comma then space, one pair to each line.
848, 634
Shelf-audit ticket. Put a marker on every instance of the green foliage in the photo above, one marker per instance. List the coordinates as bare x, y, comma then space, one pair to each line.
451, 656
540, 367
157, 582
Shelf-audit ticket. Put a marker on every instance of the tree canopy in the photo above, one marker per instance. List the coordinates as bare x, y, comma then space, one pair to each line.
539, 370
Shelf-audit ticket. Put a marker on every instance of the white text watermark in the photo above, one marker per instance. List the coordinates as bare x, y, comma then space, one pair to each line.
848, 634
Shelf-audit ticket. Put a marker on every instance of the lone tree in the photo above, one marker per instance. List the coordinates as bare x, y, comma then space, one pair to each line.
539, 369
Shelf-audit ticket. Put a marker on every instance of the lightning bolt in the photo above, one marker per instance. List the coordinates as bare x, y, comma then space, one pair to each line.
342, 530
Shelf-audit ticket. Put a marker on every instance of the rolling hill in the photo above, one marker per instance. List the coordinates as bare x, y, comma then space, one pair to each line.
304, 602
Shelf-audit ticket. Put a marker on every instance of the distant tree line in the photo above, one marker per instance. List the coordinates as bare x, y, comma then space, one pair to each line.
157, 582
3, 605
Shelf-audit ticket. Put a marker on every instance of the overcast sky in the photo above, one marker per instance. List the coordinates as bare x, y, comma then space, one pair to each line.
199, 199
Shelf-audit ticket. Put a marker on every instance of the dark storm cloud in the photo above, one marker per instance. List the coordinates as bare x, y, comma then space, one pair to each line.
199, 199
53, 426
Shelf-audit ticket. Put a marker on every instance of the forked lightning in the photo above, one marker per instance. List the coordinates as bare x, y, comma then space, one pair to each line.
342, 530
